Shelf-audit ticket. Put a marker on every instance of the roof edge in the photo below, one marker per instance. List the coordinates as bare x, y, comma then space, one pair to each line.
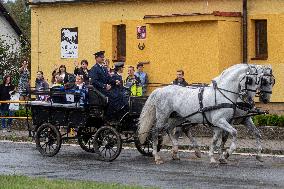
214, 13
10, 19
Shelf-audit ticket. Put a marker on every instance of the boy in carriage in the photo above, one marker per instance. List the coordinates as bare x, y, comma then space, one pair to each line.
82, 89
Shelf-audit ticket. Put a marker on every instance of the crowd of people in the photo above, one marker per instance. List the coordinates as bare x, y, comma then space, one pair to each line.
107, 80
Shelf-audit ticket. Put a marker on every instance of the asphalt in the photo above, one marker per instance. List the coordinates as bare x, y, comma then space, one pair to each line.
132, 168
244, 145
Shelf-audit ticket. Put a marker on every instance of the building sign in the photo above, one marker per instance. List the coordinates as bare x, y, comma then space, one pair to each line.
69, 42
141, 32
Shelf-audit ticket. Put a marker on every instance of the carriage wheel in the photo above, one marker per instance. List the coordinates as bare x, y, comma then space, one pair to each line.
146, 149
86, 138
107, 143
48, 139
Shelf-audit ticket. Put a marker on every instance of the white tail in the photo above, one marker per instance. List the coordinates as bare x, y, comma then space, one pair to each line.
147, 118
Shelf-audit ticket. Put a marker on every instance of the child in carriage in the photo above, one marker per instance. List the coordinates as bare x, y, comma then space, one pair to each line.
82, 89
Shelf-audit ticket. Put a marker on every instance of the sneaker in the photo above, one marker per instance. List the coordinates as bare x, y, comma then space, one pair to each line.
4, 130
9, 130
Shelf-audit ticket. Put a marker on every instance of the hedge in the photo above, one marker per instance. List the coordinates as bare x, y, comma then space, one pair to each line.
21, 113
269, 120
259, 120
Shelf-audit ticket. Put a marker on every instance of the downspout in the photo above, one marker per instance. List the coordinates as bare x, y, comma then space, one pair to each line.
245, 33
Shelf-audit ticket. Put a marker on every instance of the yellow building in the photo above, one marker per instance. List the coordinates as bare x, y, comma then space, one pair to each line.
201, 37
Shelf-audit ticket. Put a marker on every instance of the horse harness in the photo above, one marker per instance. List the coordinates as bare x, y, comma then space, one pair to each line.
245, 106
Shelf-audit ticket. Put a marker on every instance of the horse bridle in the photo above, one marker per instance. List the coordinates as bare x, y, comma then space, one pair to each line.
248, 82
265, 82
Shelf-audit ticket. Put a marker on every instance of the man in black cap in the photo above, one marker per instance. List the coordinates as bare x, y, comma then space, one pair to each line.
118, 100
99, 75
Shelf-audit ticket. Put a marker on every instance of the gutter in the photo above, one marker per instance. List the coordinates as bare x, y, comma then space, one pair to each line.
53, 2
245, 32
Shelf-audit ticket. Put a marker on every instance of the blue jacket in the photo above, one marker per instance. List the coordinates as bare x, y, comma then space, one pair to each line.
99, 77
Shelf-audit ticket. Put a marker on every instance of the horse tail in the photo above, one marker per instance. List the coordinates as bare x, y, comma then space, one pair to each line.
147, 118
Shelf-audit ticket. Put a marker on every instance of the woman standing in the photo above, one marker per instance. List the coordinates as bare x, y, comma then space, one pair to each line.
24, 81
62, 73
5, 94
82, 71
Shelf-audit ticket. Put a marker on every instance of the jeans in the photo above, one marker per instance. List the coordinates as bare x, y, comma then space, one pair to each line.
5, 111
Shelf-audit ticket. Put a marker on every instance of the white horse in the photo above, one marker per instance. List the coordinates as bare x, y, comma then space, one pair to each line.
243, 108
266, 83
213, 105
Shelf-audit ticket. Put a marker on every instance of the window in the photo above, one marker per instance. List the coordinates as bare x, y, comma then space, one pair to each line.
121, 42
261, 39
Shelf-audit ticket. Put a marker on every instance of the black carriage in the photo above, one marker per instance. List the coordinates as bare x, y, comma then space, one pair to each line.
55, 121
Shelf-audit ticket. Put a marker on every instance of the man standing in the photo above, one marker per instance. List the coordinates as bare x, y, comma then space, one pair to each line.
181, 82
143, 77
180, 79
99, 75
133, 83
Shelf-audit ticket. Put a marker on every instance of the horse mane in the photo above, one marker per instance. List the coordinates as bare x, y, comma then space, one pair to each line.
230, 70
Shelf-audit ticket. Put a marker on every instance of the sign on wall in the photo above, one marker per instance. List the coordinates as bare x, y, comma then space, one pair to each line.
69, 42
141, 32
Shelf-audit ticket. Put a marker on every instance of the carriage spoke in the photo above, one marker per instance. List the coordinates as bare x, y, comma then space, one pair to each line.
105, 153
109, 153
113, 150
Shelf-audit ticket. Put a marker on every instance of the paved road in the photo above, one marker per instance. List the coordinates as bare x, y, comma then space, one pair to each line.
132, 168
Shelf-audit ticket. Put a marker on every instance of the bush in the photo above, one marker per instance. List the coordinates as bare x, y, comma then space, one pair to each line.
269, 120
22, 113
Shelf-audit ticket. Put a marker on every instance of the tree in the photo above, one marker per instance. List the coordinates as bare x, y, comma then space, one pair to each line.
21, 14
12, 56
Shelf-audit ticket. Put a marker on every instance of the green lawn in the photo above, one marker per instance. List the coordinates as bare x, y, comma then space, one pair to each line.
23, 182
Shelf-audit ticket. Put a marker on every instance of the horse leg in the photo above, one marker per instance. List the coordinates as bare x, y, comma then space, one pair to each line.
250, 125
155, 139
160, 126
225, 136
174, 139
215, 138
173, 123
195, 145
223, 124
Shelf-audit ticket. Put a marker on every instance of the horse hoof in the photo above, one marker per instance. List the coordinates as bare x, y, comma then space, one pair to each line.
198, 154
222, 161
175, 158
259, 158
212, 161
226, 155
158, 162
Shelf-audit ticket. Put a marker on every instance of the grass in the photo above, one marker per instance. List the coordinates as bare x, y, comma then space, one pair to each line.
24, 182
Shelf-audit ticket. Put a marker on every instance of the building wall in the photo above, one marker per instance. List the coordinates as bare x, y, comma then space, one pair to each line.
95, 24
8, 34
49, 19
275, 37
189, 46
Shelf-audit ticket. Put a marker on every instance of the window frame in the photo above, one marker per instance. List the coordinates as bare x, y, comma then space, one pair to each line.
261, 50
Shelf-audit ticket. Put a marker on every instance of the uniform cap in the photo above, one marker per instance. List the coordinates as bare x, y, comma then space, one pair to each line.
99, 53
119, 64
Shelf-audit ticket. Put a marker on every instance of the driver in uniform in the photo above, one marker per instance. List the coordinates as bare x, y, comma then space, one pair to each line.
107, 84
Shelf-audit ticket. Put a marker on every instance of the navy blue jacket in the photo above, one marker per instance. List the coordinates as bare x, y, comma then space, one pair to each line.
99, 77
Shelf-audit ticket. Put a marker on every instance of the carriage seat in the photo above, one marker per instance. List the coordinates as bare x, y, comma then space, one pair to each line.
96, 98
51, 104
